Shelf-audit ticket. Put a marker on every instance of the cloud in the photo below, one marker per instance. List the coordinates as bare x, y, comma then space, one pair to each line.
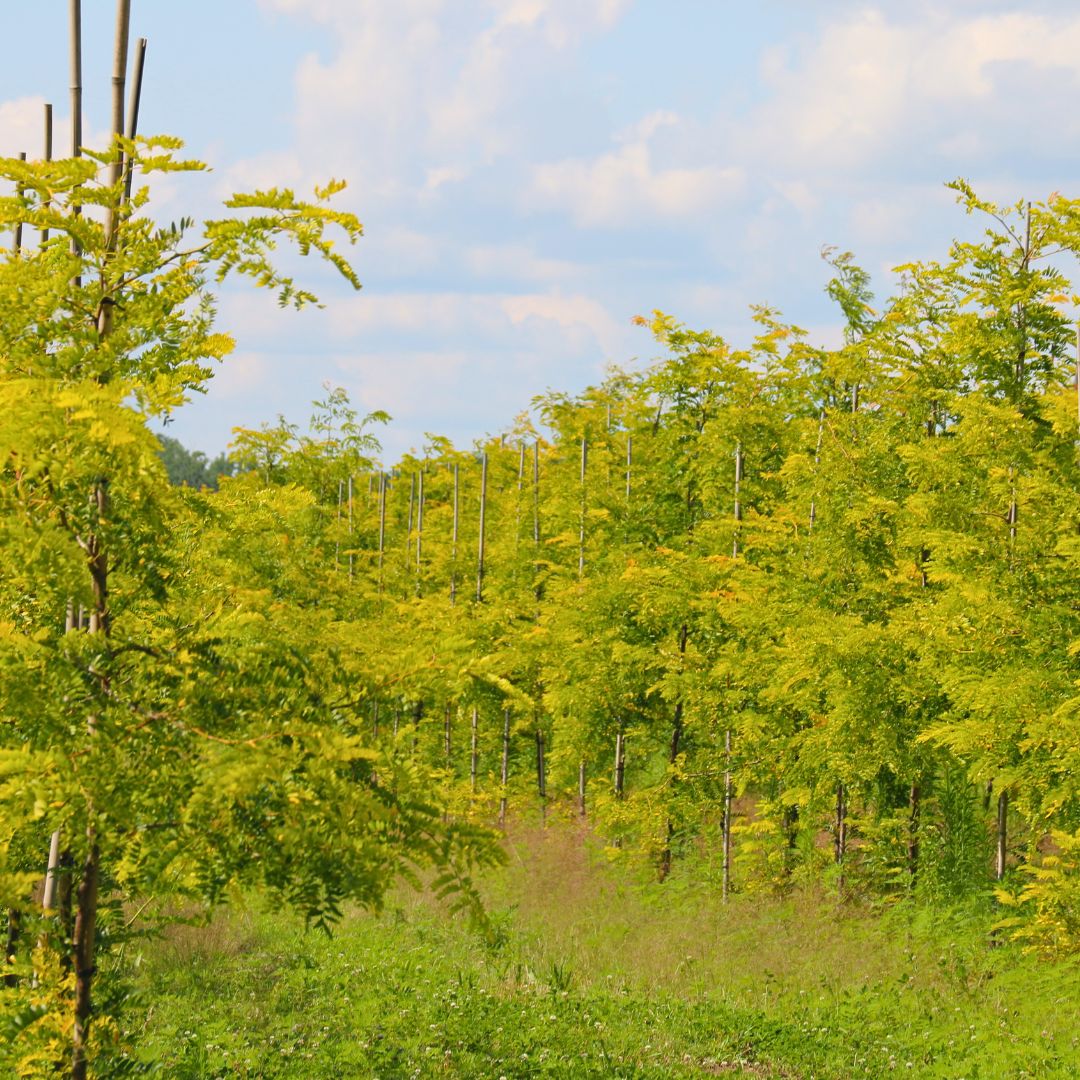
624, 186
868, 87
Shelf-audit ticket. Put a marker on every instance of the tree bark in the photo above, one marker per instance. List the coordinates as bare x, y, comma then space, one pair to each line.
1002, 837
83, 957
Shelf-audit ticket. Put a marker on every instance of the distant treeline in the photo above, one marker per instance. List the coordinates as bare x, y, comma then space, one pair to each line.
192, 468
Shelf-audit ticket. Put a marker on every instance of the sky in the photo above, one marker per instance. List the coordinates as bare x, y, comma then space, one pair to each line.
532, 174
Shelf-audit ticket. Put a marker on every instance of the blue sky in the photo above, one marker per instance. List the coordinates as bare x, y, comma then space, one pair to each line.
534, 173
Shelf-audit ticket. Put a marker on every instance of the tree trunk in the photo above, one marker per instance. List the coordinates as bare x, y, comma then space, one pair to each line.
454, 534
914, 813
673, 757
505, 776
541, 773
14, 919
727, 815
83, 957
1001, 852
581, 777
581, 535
840, 838
474, 760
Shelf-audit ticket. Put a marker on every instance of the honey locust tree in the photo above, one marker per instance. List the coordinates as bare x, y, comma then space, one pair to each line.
198, 739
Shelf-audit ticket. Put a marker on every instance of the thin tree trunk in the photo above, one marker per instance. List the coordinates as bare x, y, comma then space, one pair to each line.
19, 224
483, 525
1001, 853
541, 773
914, 813
14, 920
629, 464
840, 838
505, 775
673, 757
474, 758
581, 787
727, 814
446, 736
620, 762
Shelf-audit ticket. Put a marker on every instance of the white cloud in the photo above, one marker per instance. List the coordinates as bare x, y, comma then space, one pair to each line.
869, 86
623, 186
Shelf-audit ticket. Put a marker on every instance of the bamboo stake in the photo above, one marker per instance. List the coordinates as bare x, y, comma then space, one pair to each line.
483, 515
133, 110
382, 525
505, 775
738, 504
536, 490
48, 157
817, 461
409, 530
454, 534
351, 545
337, 542
419, 530
75, 15
581, 536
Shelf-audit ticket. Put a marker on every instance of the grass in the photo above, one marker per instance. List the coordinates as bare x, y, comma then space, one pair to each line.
593, 971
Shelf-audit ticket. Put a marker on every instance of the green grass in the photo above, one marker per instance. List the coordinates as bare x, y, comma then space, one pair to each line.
593, 972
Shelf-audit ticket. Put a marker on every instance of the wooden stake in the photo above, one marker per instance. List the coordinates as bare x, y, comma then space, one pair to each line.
75, 14
483, 515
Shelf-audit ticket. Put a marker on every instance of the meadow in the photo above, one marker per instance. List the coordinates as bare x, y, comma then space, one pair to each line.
589, 967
